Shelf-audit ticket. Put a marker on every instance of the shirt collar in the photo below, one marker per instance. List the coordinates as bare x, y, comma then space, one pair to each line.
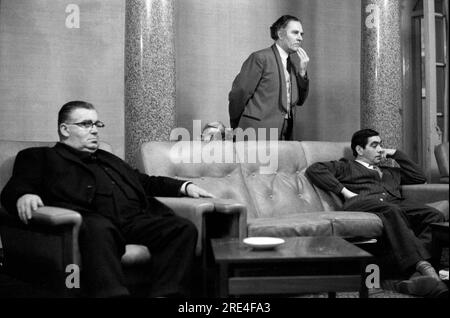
283, 54
365, 164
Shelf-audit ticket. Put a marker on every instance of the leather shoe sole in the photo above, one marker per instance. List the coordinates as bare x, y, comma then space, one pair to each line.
417, 286
423, 286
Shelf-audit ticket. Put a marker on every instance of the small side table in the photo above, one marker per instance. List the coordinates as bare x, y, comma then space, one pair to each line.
440, 238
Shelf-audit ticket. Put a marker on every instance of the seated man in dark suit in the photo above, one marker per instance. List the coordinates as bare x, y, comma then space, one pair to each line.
367, 186
117, 204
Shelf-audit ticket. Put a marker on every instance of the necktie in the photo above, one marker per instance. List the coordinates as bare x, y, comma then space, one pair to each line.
288, 64
377, 169
288, 85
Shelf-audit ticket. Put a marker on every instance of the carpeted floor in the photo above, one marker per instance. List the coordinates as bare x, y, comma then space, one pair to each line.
388, 286
387, 290
13, 288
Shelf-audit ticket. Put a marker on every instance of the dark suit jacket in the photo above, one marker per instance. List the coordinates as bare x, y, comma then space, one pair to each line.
335, 175
258, 95
61, 179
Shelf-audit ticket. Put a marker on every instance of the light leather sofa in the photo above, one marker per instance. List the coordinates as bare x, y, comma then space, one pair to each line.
279, 198
40, 252
442, 159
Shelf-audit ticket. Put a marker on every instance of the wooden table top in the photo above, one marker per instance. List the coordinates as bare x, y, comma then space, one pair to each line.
304, 248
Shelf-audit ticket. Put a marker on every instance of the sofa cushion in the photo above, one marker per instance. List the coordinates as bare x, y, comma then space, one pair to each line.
275, 180
302, 224
330, 201
354, 224
343, 224
441, 206
318, 151
444, 180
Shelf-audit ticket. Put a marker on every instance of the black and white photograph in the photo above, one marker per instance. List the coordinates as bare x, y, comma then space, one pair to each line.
224, 156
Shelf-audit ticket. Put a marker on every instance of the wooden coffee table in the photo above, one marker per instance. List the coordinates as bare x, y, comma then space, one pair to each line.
301, 265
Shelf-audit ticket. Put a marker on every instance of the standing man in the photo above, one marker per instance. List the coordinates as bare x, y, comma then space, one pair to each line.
272, 82
367, 186
117, 204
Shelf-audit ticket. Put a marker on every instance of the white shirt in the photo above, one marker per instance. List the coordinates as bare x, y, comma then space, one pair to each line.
284, 55
365, 164
183, 187
368, 166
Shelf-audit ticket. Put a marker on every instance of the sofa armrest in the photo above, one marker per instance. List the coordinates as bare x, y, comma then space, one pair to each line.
50, 239
53, 216
212, 217
426, 193
193, 210
46, 216
237, 211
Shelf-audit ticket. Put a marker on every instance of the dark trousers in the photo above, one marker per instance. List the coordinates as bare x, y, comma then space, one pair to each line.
170, 239
286, 130
406, 227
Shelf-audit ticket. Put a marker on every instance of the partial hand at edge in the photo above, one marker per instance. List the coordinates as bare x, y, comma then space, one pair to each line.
27, 204
348, 194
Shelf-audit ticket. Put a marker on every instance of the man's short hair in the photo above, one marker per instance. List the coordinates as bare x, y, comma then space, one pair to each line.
68, 108
213, 131
281, 23
361, 137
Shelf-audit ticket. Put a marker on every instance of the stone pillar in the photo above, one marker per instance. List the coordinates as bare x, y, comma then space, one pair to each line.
381, 70
149, 73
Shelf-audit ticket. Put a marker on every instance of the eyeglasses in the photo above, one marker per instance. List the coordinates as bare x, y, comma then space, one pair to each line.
88, 124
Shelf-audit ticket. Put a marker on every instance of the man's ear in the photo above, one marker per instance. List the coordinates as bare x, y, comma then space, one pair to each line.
359, 150
63, 130
281, 33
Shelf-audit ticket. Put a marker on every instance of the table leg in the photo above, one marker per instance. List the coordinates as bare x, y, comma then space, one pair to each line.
223, 280
436, 251
363, 290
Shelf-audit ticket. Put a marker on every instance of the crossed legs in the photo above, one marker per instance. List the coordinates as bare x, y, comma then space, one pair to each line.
406, 228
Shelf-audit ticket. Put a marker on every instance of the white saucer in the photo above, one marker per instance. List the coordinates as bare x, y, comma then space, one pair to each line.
263, 243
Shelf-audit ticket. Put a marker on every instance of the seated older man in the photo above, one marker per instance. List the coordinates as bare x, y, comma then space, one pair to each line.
117, 204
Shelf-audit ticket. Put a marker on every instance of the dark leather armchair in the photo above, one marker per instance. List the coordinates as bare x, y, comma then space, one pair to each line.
441, 153
40, 252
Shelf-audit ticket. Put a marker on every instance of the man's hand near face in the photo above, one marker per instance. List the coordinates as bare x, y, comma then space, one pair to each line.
304, 60
386, 153
26, 205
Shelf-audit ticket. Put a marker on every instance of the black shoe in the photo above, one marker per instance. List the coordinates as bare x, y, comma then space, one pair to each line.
417, 286
423, 286
441, 291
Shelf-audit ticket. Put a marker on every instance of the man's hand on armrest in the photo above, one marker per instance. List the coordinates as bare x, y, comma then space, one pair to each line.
194, 191
347, 193
26, 205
